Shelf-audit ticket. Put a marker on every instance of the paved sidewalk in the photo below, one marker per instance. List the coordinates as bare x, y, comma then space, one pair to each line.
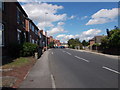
39, 75
107, 55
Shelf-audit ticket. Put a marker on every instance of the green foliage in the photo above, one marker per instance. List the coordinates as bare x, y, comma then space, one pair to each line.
74, 42
28, 49
113, 40
51, 45
85, 43
96, 44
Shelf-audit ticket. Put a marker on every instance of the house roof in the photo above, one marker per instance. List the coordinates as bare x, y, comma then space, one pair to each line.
20, 7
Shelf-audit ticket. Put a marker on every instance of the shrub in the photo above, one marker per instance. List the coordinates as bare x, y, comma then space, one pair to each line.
28, 49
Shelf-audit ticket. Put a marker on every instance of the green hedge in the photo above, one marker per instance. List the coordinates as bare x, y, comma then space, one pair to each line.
28, 49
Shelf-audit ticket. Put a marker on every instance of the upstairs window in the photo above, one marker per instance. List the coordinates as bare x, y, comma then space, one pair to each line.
32, 28
2, 34
3, 6
18, 15
36, 32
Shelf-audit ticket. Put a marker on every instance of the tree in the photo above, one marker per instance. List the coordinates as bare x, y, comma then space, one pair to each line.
74, 42
113, 40
85, 43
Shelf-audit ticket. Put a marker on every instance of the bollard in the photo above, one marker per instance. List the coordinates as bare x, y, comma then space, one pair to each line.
36, 55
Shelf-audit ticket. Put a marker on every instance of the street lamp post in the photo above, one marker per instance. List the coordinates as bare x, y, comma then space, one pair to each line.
46, 32
46, 40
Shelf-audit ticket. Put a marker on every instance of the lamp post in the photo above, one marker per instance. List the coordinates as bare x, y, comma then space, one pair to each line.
46, 32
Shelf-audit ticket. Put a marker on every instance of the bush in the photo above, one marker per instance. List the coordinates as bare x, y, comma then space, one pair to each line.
28, 49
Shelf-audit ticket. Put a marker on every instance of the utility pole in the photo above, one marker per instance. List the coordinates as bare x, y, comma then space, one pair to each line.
46, 32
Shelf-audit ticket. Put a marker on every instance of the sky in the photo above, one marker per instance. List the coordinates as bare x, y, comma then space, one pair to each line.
66, 20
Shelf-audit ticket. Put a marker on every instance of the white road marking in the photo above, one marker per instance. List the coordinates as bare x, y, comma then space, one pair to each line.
82, 59
68, 53
111, 70
52, 52
53, 82
63, 51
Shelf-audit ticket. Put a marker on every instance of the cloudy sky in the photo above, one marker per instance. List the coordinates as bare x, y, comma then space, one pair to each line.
65, 20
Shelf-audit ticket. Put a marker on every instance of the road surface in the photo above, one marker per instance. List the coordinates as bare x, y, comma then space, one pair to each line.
66, 68
79, 69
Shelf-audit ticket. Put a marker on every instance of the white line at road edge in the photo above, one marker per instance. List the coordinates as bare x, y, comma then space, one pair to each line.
111, 70
53, 82
68, 53
82, 59
52, 52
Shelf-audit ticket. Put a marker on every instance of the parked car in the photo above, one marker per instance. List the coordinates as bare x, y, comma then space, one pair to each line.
62, 47
56, 47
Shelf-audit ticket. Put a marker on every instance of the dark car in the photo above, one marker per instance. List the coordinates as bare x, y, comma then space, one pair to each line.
56, 46
62, 47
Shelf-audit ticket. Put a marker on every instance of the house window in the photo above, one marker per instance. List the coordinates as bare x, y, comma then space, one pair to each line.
19, 36
36, 42
23, 22
33, 41
30, 25
25, 35
32, 28
2, 34
3, 7
18, 15
30, 38
36, 32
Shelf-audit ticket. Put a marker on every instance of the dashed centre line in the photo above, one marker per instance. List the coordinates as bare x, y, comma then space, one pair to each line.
68, 53
111, 70
82, 59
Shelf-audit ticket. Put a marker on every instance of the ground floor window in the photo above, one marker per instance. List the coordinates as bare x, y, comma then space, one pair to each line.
2, 34
19, 36
30, 38
33, 41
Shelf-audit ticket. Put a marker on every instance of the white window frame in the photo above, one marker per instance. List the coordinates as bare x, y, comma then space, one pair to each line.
2, 31
33, 41
18, 35
18, 15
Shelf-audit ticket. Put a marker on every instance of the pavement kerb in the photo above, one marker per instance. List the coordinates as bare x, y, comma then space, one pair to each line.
39, 74
110, 56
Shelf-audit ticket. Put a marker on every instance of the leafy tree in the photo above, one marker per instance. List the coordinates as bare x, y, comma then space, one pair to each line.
113, 40
74, 42
85, 43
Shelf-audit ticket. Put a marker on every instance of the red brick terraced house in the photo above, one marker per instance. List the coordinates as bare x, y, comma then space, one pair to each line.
32, 31
13, 27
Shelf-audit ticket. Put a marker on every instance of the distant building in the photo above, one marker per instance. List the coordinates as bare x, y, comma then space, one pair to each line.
96, 39
57, 42
64, 44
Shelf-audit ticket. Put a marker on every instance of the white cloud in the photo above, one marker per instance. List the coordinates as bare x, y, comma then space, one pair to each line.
103, 16
60, 23
43, 13
86, 35
64, 38
84, 17
42, 25
72, 17
55, 30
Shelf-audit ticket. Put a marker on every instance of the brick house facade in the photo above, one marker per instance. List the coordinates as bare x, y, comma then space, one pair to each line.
13, 24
